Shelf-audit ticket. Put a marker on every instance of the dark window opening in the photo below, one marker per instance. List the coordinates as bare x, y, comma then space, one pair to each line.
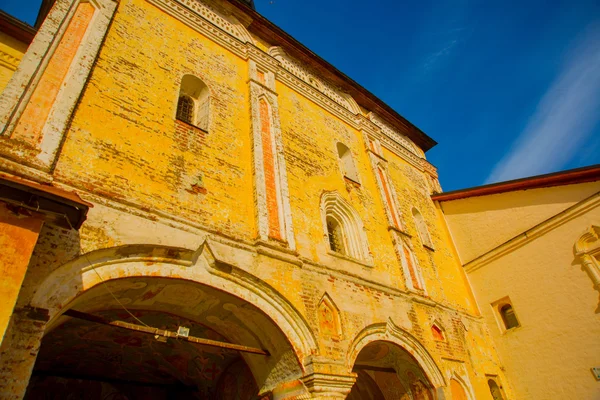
335, 236
508, 316
185, 109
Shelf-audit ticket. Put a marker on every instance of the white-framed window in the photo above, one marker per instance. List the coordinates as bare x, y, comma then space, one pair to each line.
193, 102
505, 314
344, 230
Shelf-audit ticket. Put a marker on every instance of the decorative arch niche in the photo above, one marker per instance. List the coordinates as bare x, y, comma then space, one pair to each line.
346, 160
330, 324
438, 332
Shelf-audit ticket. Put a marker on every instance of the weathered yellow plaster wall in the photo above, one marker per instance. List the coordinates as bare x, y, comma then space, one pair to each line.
310, 135
441, 269
125, 152
505, 215
126, 144
11, 52
550, 355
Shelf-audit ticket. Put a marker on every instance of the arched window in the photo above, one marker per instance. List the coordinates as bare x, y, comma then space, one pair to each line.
495, 390
335, 235
508, 316
344, 229
194, 102
422, 229
346, 162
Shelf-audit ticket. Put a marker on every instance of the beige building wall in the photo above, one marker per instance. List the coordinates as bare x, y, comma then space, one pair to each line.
551, 353
504, 215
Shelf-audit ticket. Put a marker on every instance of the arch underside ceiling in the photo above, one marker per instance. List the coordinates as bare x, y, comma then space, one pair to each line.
192, 285
168, 303
205, 288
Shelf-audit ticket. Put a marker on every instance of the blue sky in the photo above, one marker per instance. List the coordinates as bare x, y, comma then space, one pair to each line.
507, 88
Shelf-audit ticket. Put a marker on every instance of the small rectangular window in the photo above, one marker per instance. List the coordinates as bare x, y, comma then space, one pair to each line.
505, 314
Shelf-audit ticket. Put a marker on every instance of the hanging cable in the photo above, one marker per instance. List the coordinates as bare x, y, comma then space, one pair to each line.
113, 295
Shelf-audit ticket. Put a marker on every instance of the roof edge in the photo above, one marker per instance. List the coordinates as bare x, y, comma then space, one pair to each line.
567, 177
365, 98
16, 28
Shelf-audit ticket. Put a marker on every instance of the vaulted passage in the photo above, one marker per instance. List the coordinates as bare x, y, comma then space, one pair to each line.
385, 371
80, 359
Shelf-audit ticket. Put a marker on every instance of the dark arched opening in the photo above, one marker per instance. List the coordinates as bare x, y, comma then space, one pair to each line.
83, 359
387, 371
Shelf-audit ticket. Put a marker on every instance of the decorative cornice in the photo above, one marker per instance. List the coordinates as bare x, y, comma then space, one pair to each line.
191, 13
234, 28
233, 37
317, 96
9, 61
392, 133
540, 229
311, 78
429, 168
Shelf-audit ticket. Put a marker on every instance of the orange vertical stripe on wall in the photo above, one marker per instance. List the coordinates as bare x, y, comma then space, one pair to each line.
33, 119
388, 197
269, 171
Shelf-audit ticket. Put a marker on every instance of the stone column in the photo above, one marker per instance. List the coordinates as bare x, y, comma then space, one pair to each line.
19, 231
593, 271
19, 351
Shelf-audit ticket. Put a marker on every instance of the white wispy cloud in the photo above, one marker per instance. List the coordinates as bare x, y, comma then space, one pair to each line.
565, 116
433, 58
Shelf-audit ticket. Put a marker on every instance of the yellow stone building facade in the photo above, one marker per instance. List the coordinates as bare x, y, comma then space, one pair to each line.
177, 164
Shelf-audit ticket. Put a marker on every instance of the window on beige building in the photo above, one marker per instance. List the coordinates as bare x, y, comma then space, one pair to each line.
505, 314
495, 390
509, 317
